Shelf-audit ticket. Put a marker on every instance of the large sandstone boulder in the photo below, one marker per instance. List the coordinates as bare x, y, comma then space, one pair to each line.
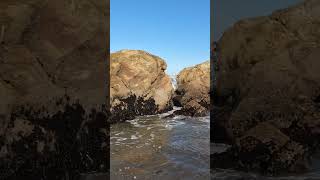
53, 88
139, 84
193, 90
267, 93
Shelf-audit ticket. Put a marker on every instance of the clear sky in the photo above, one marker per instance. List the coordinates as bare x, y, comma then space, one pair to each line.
176, 30
227, 12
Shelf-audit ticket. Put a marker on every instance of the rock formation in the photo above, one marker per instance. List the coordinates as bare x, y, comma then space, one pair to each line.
267, 94
53, 88
193, 90
139, 85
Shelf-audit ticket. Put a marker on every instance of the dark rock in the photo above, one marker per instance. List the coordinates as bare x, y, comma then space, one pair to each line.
53, 89
65, 144
177, 99
130, 107
267, 90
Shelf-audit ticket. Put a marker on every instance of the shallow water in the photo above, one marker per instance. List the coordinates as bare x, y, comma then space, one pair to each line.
153, 147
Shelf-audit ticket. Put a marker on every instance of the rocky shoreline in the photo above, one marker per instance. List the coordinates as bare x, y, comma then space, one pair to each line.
266, 99
53, 89
140, 86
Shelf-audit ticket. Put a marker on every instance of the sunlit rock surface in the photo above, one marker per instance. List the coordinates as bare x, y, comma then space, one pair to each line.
139, 84
193, 90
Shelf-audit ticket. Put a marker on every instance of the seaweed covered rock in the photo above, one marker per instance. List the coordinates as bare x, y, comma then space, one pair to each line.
53, 89
41, 145
267, 89
193, 90
139, 85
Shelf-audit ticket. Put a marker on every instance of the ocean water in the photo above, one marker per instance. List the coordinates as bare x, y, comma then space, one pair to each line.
154, 147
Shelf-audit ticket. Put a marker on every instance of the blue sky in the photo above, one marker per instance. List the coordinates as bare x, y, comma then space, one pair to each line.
176, 30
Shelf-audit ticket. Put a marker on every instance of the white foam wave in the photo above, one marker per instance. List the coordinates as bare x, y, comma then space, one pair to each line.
169, 112
135, 123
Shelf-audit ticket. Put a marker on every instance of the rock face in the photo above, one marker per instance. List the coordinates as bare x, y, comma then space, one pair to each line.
53, 88
268, 89
193, 90
139, 85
